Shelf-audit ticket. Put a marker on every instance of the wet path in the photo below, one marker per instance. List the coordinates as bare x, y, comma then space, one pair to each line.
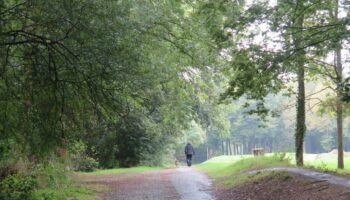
171, 184
190, 184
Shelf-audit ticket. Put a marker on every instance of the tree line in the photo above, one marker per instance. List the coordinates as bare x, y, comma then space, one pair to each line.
124, 79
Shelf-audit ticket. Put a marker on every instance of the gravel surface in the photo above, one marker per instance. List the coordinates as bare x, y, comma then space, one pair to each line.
181, 184
337, 180
292, 187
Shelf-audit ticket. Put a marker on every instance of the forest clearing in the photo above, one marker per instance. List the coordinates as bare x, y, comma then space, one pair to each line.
200, 99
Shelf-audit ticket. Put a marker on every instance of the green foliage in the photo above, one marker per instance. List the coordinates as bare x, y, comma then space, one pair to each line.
86, 164
104, 72
17, 187
56, 183
345, 90
51, 175
80, 160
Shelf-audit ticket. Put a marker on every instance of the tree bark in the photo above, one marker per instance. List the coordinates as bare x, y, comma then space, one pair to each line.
339, 106
300, 62
229, 151
222, 147
227, 148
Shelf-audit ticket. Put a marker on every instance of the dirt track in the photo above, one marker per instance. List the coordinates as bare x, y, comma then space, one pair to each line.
180, 183
188, 184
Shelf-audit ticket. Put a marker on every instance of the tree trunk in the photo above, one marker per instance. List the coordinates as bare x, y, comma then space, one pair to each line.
227, 147
229, 151
249, 150
271, 145
340, 131
222, 147
339, 106
300, 62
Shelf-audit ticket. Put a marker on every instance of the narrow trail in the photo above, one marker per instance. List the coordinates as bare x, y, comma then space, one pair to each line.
333, 179
181, 183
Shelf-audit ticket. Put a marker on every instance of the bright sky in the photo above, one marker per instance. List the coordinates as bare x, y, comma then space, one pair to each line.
267, 40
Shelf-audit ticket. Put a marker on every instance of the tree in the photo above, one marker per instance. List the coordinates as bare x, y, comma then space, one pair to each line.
298, 23
97, 71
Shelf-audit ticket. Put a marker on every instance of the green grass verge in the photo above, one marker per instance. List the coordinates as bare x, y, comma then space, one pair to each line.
74, 192
240, 164
54, 185
122, 170
232, 168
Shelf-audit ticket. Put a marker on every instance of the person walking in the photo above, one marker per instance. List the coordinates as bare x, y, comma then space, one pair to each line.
189, 151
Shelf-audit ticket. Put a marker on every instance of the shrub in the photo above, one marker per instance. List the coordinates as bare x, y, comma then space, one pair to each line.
51, 175
80, 160
86, 164
17, 187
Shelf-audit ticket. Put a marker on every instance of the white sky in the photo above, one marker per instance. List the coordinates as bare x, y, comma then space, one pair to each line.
267, 40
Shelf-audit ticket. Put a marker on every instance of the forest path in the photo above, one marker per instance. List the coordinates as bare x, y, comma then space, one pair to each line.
321, 176
181, 183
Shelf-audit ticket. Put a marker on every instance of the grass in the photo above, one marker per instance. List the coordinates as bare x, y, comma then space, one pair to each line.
232, 170
73, 192
215, 165
57, 186
123, 170
325, 162
240, 164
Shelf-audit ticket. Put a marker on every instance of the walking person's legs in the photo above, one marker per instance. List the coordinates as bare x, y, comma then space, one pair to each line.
189, 160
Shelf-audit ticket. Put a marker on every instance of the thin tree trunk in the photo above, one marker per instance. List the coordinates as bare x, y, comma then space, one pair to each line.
223, 147
340, 131
300, 62
271, 145
229, 146
339, 106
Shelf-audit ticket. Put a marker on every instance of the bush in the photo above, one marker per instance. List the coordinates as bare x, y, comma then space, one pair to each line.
17, 187
51, 175
81, 161
86, 164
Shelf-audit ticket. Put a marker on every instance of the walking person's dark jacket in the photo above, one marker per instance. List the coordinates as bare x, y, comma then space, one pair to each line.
189, 149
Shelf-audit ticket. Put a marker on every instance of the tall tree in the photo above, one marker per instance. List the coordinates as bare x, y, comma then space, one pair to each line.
339, 80
298, 23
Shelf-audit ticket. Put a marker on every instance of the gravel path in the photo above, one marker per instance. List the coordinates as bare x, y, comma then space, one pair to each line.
181, 184
337, 180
